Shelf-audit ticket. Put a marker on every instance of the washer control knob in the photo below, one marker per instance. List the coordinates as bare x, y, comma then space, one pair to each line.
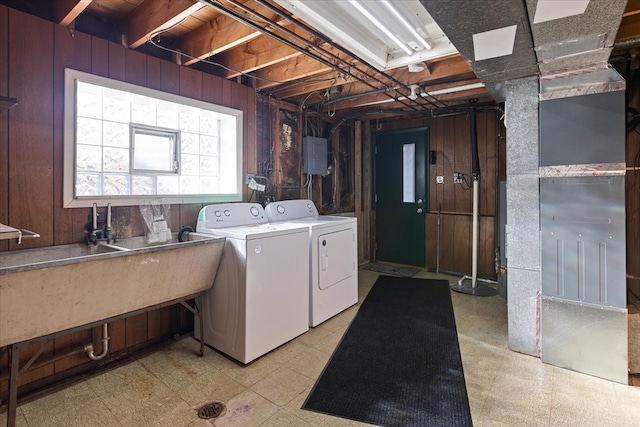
217, 213
280, 209
254, 211
227, 212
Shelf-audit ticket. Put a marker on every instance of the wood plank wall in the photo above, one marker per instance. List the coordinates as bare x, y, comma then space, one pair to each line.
33, 56
450, 204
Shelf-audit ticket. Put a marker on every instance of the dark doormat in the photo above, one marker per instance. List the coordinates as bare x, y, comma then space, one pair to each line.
398, 363
391, 269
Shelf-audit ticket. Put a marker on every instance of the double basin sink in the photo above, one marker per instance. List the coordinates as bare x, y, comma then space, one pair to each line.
51, 289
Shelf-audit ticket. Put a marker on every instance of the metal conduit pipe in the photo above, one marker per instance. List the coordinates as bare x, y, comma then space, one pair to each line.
451, 109
105, 345
300, 39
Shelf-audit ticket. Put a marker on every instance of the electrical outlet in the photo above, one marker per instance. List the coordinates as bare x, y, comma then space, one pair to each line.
457, 178
247, 178
439, 179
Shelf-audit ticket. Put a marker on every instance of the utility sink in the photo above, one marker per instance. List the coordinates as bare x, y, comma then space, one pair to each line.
55, 288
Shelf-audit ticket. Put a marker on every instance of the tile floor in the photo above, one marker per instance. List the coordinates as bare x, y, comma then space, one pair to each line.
164, 388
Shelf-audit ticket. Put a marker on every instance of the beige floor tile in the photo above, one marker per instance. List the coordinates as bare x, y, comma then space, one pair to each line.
282, 386
248, 409
21, 421
505, 388
248, 375
310, 363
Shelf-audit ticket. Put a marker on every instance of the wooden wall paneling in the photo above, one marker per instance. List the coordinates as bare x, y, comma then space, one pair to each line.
447, 159
368, 209
30, 160
357, 191
75, 53
4, 122
31, 128
431, 248
463, 194
487, 159
462, 243
337, 171
632, 201
436, 143
251, 120
447, 243
486, 247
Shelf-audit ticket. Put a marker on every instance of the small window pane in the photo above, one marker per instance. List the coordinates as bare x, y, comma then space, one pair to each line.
88, 184
209, 145
89, 158
116, 159
89, 101
168, 115
190, 164
189, 121
89, 131
209, 166
189, 185
116, 134
189, 143
154, 151
143, 110
115, 185
208, 124
142, 184
116, 106
168, 185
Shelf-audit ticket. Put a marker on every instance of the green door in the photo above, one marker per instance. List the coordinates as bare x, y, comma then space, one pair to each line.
401, 173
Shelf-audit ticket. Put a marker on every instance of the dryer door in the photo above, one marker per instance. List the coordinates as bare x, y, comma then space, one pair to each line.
335, 257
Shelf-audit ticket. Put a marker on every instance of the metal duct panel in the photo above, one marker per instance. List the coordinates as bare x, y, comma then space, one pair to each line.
461, 20
576, 41
587, 129
582, 226
597, 79
586, 338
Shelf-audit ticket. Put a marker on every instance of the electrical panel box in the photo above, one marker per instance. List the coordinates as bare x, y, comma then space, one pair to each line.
314, 155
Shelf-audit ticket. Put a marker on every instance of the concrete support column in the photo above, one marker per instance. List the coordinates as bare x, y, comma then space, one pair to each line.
523, 215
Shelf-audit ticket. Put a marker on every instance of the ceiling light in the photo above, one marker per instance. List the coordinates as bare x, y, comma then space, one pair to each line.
406, 24
415, 90
378, 24
416, 67
456, 89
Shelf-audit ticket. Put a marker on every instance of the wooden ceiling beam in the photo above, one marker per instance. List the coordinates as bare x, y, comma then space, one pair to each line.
152, 16
258, 53
440, 70
64, 12
219, 35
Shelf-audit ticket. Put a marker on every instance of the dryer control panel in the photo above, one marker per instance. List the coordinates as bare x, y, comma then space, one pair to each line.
230, 215
288, 210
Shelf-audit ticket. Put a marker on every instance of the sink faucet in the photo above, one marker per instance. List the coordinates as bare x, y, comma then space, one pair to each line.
101, 235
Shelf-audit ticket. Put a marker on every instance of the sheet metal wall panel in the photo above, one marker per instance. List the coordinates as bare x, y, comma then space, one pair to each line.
583, 239
583, 129
600, 351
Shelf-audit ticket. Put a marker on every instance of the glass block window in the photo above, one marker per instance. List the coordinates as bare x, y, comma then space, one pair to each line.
126, 144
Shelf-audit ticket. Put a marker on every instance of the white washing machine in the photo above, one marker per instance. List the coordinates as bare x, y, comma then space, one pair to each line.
259, 298
333, 244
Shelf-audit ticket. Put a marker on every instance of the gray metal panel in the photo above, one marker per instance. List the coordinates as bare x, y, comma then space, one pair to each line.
583, 254
586, 338
583, 129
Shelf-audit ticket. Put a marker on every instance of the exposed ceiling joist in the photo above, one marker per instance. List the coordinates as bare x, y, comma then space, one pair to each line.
64, 12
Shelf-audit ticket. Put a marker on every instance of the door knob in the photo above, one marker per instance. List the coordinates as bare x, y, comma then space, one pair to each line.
419, 210
419, 201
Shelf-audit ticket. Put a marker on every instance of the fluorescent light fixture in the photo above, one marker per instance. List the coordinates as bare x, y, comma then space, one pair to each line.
548, 10
406, 24
454, 89
494, 43
378, 24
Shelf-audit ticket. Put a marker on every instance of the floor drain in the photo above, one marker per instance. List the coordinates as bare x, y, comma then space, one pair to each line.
211, 410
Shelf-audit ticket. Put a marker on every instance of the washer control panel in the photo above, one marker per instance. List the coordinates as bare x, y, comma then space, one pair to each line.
230, 215
290, 210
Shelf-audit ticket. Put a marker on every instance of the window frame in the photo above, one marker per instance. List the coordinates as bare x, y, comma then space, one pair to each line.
70, 200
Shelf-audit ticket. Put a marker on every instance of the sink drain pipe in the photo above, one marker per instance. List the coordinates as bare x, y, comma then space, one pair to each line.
105, 345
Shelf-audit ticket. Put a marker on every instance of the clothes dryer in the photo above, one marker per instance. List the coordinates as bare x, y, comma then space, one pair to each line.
259, 298
333, 256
